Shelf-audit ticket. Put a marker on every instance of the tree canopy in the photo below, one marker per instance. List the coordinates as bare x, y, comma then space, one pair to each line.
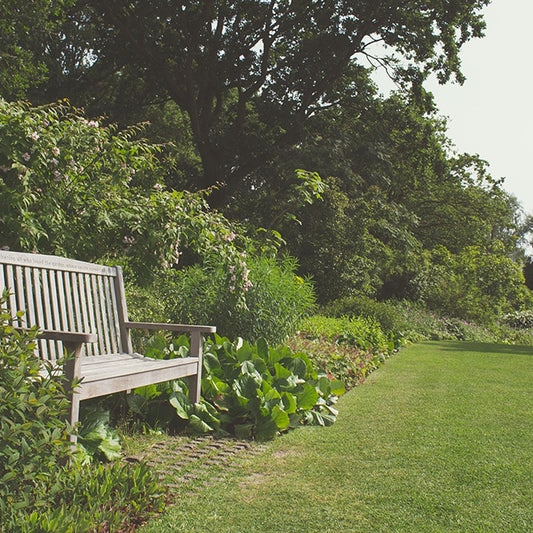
249, 73
271, 105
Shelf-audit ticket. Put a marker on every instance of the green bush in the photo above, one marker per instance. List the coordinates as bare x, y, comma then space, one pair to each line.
33, 433
394, 324
43, 485
79, 188
362, 332
405, 322
477, 285
519, 319
275, 298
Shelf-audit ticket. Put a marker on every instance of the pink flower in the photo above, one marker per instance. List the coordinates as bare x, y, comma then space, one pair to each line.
26, 156
56, 150
54, 161
93, 123
230, 237
34, 136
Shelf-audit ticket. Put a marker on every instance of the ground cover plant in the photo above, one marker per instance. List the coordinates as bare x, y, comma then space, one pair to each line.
347, 349
251, 391
438, 440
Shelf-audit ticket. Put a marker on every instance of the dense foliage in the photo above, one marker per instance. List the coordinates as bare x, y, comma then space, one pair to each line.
71, 186
227, 66
248, 390
276, 299
44, 486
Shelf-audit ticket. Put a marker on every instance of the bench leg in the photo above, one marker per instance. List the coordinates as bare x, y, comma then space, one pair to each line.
195, 388
74, 415
195, 382
72, 371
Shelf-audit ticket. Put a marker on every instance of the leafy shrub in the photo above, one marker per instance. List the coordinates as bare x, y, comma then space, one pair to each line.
33, 433
253, 390
414, 322
274, 301
72, 186
384, 312
94, 498
519, 319
43, 485
364, 333
394, 324
476, 285
346, 348
341, 361
96, 438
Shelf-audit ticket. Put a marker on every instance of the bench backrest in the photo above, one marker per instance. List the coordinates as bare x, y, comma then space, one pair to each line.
67, 295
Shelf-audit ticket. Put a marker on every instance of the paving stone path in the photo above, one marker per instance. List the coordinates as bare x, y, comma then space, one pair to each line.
201, 461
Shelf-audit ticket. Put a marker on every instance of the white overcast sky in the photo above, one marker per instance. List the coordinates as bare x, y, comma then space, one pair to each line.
491, 114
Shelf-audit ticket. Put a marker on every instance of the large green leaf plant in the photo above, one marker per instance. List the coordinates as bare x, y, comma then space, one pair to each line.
255, 391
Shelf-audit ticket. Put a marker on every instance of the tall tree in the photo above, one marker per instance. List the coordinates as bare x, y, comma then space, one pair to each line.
249, 73
25, 29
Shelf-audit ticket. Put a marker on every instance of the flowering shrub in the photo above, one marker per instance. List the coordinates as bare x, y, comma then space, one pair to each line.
519, 319
72, 186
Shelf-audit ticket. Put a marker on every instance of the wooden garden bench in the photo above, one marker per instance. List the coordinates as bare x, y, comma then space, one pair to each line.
81, 308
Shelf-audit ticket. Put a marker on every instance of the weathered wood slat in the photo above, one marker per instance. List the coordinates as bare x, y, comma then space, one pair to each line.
103, 384
87, 309
62, 303
39, 310
10, 284
74, 282
82, 308
54, 301
3, 283
19, 291
53, 262
28, 295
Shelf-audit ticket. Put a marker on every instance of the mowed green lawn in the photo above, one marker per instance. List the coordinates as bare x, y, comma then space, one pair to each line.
439, 439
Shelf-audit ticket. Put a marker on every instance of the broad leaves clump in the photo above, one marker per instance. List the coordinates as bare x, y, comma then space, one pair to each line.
251, 390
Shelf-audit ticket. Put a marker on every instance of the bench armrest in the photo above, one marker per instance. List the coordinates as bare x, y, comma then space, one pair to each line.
170, 327
67, 337
73, 343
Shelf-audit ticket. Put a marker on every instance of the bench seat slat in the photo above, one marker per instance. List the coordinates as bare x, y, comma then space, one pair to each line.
111, 376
